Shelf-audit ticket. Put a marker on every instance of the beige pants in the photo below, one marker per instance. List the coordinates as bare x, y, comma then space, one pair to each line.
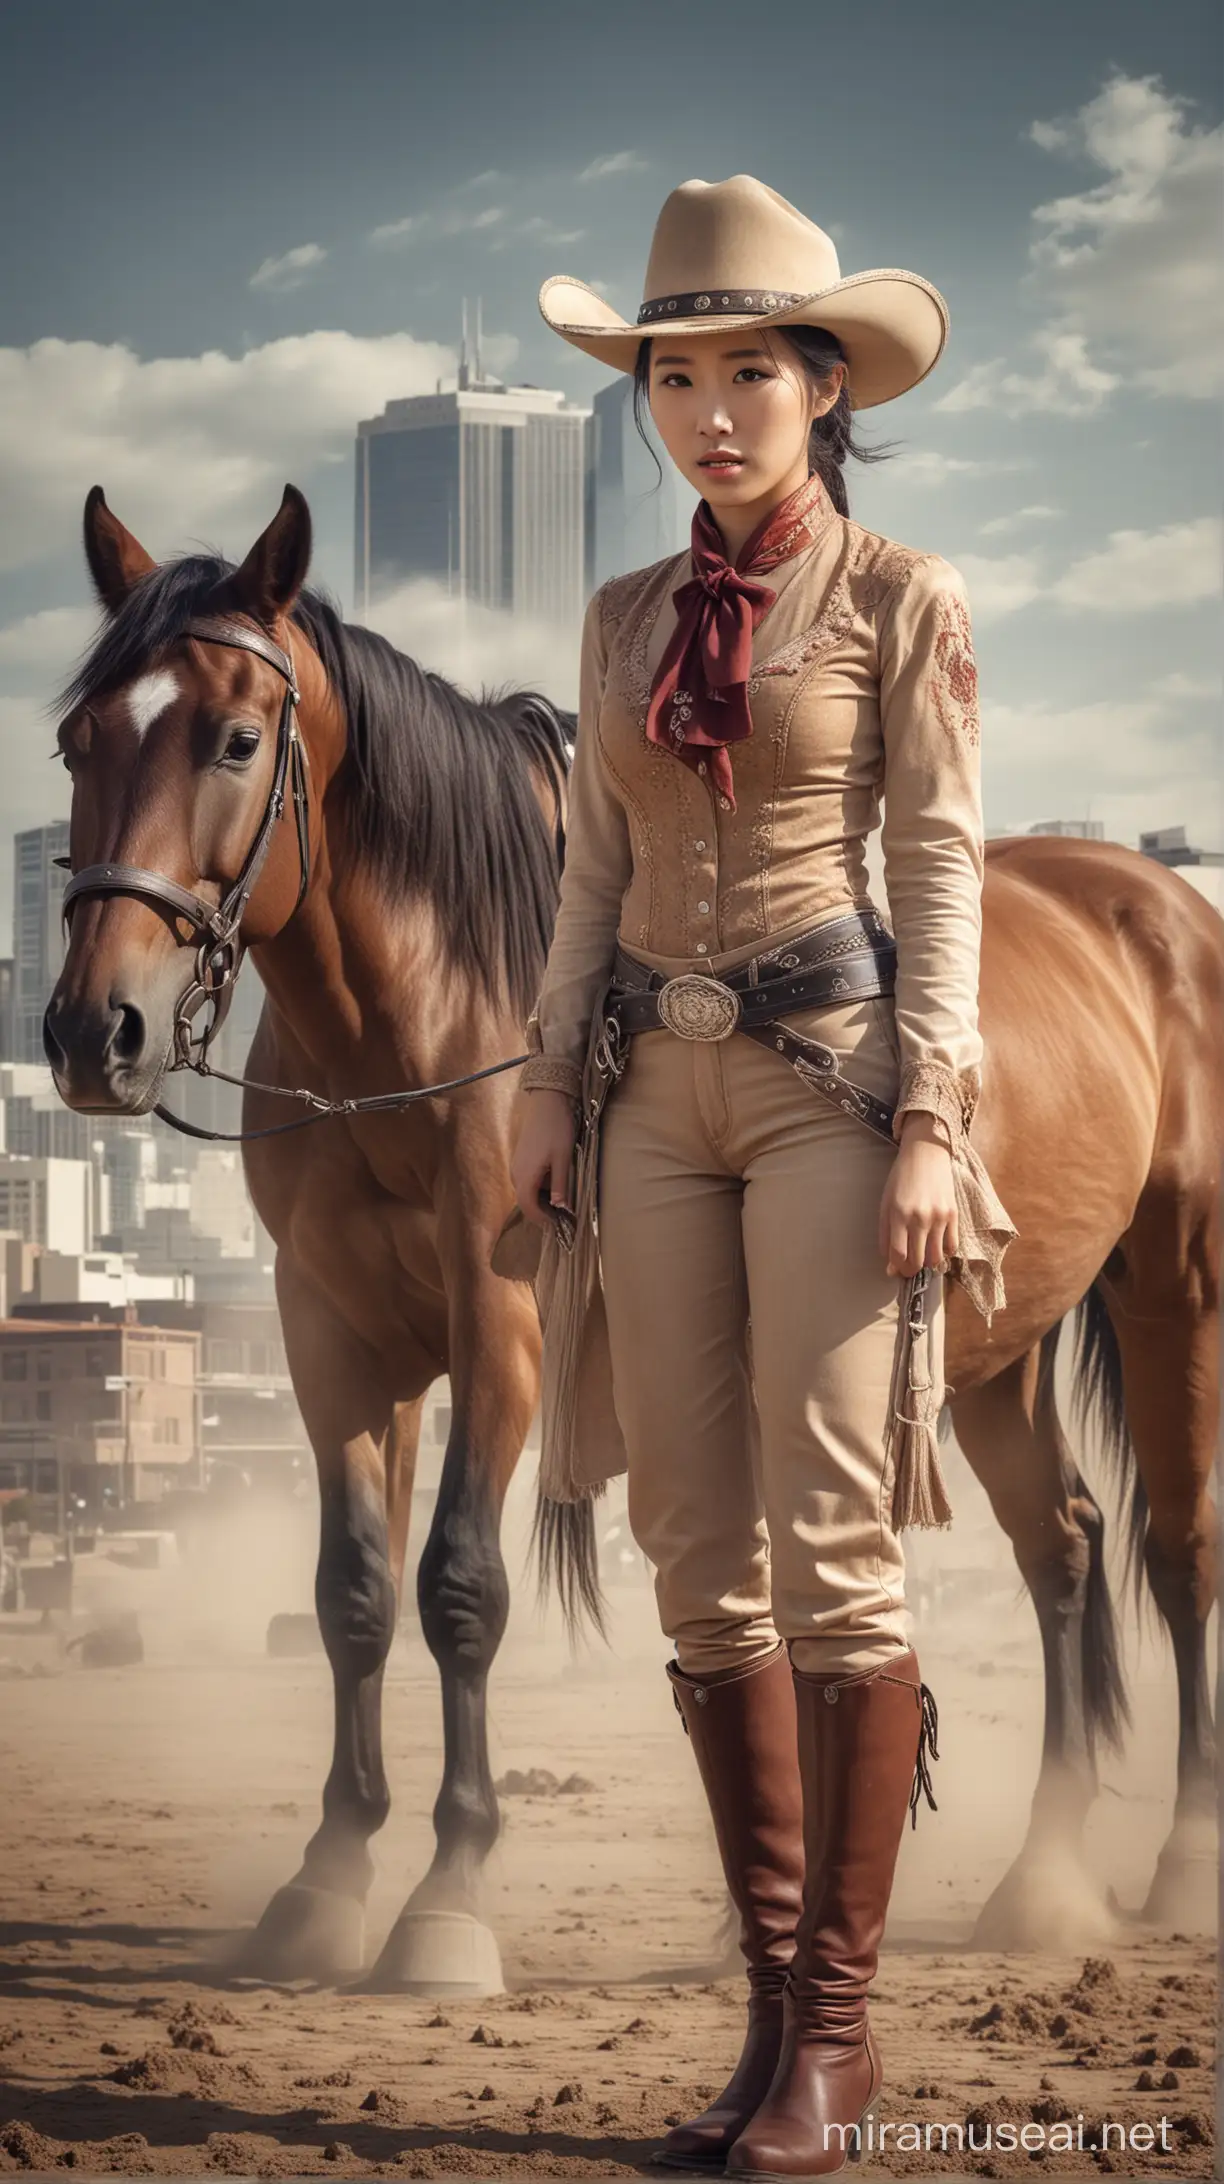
731, 1193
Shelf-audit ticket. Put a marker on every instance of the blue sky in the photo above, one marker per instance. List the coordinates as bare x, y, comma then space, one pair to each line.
242, 228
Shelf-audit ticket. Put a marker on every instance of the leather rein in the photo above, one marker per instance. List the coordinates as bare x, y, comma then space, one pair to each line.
216, 928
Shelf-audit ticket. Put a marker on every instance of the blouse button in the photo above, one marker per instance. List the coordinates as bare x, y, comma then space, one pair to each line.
701, 766
701, 948
704, 908
699, 846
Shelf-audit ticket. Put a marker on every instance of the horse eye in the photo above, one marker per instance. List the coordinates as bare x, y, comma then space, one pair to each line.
243, 743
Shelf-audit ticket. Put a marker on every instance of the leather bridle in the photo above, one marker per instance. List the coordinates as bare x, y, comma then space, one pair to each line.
216, 928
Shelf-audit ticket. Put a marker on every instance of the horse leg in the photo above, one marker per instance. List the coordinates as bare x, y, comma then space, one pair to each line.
1169, 1350
314, 1926
440, 1945
1010, 1433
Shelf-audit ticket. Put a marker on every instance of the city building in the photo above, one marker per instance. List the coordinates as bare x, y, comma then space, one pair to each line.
48, 1202
1090, 830
6, 1008
97, 1415
96, 1277
1168, 845
487, 489
640, 516
38, 940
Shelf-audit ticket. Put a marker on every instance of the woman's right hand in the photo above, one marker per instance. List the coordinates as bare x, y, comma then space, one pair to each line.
543, 1152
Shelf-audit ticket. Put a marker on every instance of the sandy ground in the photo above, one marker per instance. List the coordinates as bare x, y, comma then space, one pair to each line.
148, 1812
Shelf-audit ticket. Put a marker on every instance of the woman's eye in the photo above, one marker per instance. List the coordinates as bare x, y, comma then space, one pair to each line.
675, 379
243, 743
750, 372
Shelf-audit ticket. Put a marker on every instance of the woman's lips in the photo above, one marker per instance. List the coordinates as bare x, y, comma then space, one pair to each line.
721, 462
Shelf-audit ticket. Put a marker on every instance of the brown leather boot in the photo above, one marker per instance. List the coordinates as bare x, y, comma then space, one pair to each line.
862, 1744
741, 1724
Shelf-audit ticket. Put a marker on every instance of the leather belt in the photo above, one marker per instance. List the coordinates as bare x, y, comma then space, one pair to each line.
836, 962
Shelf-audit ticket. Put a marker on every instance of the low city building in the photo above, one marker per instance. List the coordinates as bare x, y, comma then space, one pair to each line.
96, 1416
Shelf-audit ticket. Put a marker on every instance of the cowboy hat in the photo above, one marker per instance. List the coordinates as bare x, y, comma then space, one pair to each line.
728, 255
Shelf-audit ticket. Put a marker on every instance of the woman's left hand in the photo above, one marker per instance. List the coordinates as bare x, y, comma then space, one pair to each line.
918, 1225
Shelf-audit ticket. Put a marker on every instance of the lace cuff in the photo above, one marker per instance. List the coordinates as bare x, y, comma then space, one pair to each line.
552, 1073
951, 1095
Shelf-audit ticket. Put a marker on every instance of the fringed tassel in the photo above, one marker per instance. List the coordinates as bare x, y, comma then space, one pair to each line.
564, 1288
984, 1231
915, 1400
927, 1741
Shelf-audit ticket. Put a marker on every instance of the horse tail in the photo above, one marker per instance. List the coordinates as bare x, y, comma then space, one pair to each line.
567, 1560
1098, 1398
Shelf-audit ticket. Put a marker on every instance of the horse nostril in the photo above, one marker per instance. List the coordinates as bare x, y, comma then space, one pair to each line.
127, 1041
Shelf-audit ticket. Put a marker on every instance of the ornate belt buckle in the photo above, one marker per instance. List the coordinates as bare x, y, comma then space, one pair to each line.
696, 1006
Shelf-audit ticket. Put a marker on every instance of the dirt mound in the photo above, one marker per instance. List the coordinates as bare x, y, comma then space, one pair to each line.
184, 2070
541, 1782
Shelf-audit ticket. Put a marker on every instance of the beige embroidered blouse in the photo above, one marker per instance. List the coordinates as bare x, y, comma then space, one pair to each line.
863, 688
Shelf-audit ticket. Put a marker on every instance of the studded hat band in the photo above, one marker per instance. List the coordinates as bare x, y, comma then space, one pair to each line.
720, 302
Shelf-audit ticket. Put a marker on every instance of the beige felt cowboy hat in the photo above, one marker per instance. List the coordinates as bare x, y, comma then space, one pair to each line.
734, 254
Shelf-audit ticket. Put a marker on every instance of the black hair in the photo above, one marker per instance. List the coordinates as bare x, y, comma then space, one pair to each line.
832, 435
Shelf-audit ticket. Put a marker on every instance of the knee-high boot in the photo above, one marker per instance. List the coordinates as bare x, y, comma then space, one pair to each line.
741, 1724
862, 1744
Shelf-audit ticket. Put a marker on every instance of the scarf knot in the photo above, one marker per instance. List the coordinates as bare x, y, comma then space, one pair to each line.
699, 695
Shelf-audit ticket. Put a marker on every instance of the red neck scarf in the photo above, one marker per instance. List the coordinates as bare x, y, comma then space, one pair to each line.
699, 696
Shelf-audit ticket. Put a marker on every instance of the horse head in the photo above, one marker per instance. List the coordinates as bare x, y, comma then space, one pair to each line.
187, 772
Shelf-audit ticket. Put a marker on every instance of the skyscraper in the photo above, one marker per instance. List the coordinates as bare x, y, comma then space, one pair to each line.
639, 517
38, 939
487, 489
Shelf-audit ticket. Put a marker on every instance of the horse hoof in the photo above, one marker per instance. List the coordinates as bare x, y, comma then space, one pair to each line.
1047, 1901
1185, 1886
307, 1933
437, 1954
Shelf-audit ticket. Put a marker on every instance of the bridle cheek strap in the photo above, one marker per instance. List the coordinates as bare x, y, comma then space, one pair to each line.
216, 928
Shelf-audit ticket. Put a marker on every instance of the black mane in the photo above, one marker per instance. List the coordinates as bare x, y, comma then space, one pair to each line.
442, 784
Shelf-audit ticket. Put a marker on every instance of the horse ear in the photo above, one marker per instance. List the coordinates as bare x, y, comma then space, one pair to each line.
116, 559
275, 569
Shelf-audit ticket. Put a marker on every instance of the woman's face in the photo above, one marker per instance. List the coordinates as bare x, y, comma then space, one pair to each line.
735, 414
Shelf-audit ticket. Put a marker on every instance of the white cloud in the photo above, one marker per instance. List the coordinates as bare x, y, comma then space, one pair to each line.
999, 585
1064, 380
1037, 512
549, 232
496, 222
1128, 271
612, 163
489, 178
393, 234
186, 447
927, 466
1131, 762
1177, 684
280, 275
1140, 571
42, 644
478, 646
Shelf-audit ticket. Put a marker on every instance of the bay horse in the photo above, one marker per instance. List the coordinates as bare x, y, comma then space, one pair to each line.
400, 933
1101, 1122
412, 958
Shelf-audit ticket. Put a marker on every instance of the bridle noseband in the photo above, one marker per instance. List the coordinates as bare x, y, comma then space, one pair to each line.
216, 929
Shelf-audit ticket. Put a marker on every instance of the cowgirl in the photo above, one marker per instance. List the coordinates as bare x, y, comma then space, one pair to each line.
749, 1315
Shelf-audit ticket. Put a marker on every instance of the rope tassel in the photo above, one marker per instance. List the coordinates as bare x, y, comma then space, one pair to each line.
916, 1398
928, 1735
